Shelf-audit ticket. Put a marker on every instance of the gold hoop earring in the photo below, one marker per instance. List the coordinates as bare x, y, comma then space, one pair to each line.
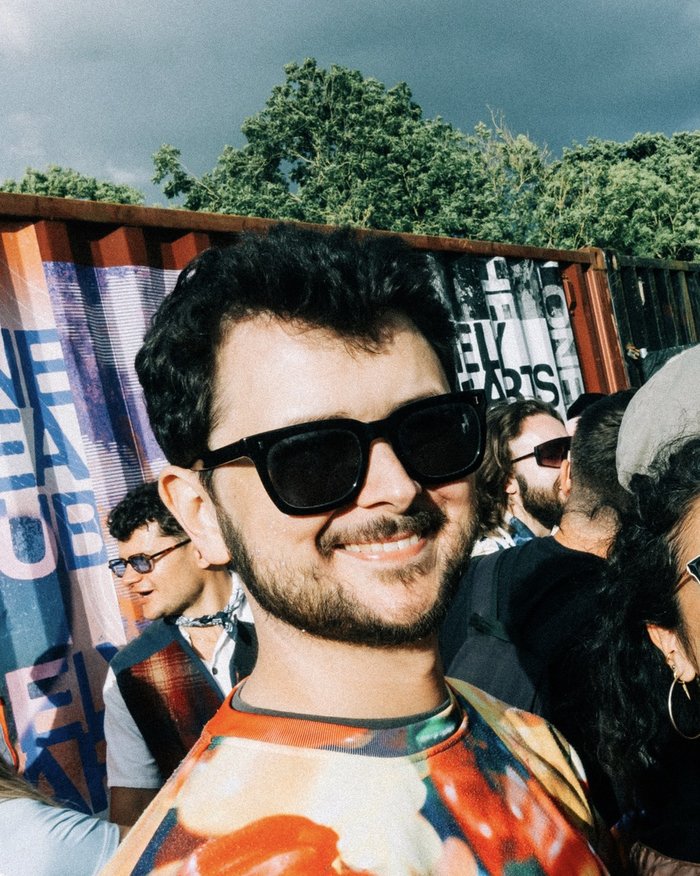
670, 705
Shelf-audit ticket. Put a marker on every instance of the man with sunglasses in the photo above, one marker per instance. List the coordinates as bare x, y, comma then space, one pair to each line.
518, 487
303, 389
167, 683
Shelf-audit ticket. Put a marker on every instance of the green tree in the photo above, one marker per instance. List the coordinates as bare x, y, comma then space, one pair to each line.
335, 147
640, 198
332, 146
513, 169
63, 182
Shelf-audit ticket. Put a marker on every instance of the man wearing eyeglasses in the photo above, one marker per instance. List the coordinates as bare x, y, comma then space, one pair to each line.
302, 387
518, 487
166, 684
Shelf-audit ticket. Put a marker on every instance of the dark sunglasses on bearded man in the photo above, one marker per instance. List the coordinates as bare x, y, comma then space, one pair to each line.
313, 467
549, 454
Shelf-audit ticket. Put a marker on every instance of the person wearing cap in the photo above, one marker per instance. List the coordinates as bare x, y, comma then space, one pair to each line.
303, 387
167, 683
666, 408
518, 486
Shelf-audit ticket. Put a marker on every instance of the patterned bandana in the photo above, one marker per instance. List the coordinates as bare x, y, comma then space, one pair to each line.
225, 618
520, 531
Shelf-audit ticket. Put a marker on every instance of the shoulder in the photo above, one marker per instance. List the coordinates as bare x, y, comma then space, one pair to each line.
156, 636
58, 840
508, 722
497, 540
514, 555
538, 745
545, 562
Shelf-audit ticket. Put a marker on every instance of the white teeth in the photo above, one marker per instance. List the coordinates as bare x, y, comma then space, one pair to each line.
384, 546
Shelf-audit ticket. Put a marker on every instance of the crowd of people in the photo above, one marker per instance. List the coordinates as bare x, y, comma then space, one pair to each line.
394, 629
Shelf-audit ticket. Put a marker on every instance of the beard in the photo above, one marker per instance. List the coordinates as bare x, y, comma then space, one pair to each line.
544, 505
316, 602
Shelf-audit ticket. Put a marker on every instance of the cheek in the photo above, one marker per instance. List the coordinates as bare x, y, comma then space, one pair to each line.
544, 478
264, 528
455, 500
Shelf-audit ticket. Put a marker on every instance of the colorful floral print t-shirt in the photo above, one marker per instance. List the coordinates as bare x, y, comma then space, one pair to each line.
477, 788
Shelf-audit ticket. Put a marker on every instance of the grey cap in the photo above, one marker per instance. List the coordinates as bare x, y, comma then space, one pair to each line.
665, 408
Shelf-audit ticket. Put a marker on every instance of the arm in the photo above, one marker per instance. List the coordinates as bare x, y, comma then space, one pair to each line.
132, 773
127, 804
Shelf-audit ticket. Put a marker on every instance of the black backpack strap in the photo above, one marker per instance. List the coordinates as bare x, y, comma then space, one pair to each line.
485, 616
245, 652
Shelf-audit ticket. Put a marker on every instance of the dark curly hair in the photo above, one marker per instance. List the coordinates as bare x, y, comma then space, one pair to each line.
344, 281
140, 506
629, 677
504, 422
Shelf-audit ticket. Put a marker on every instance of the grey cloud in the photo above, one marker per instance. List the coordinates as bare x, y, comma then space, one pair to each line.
102, 86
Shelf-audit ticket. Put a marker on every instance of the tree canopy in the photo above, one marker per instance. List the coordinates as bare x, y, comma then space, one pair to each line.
63, 182
333, 146
640, 198
336, 147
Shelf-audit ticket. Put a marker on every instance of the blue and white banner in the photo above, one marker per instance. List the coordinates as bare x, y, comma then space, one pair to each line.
74, 437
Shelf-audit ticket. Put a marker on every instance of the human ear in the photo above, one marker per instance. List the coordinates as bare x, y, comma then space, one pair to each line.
565, 479
184, 494
670, 646
512, 487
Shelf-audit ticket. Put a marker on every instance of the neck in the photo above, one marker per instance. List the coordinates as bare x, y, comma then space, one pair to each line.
580, 532
340, 680
214, 595
532, 523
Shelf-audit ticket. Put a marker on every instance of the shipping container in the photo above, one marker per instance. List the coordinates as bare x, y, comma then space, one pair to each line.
79, 282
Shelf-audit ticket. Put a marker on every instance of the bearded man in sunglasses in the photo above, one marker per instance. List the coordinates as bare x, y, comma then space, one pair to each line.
164, 686
518, 487
302, 388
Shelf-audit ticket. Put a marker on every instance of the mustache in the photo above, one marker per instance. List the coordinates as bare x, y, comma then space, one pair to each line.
422, 522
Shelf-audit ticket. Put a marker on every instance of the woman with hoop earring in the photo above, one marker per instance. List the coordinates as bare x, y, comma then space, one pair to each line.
645, 667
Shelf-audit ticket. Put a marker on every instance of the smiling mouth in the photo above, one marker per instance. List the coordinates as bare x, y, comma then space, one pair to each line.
382, 547
398, 537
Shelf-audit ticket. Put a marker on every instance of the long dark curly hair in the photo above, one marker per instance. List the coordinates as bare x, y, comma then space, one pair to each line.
630, 680
504, 422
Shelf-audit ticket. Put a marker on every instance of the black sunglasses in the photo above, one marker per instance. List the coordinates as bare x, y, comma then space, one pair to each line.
549, 454
693, 568
141, 563
321, 465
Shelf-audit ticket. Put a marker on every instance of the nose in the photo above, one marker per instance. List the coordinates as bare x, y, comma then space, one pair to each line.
131, 576
387, 481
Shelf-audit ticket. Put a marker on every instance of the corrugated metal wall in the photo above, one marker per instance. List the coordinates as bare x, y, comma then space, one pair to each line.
657, 308
78, 284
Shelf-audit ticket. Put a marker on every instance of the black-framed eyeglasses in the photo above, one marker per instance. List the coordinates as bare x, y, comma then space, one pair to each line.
142, 563
549, 454
693, 568
317, 466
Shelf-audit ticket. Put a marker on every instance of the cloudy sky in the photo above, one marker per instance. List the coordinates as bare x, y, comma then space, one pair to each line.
99, 85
